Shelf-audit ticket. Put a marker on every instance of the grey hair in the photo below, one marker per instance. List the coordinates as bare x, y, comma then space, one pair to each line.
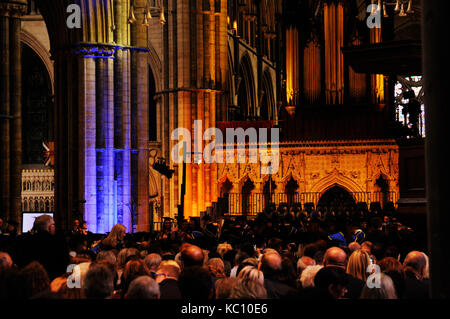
107, 255
143, 287
250, 273
248, 289
386, 290
42, 223
152, 261
308, 274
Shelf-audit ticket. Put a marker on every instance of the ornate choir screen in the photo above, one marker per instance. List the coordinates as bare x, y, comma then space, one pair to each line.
365, 169
38, 188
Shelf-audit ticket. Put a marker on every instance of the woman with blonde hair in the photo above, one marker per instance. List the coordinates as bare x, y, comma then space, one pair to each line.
114, 240
357, 264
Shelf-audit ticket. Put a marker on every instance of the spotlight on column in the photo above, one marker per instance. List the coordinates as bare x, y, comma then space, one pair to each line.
161, 167
410, 10
132, 17
162, 18
397, 6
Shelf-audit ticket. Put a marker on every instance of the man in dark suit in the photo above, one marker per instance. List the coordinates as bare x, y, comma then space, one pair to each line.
166, 276
270, 265
337, 257
415, 285
44, 246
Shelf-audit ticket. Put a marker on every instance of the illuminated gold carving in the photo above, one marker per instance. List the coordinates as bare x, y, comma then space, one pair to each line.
318, 166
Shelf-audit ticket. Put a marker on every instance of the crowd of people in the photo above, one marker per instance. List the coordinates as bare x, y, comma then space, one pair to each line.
280, 254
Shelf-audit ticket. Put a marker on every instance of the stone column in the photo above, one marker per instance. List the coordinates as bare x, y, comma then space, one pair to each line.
139, 118
11, 109
436, 67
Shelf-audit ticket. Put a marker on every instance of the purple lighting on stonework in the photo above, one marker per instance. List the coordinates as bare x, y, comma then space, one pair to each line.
107, 171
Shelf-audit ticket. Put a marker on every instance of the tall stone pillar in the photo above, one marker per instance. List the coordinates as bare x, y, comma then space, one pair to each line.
436, 67
139, 118
195, 59
10, 109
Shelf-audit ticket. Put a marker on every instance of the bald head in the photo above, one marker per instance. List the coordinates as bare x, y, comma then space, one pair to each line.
270, 263
5, 261
192, 256
416, 261
335, 256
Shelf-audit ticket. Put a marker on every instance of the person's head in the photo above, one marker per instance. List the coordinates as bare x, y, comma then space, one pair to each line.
99, 282
308, 274
331, 280
357, 264
386, 290
367, 247
251, 273
191, 255
44, 223
248, 289
416, 262
36, 279
133, 269
388, 264
60, 286
107, 255
224, 287
223, 248
152, 261
216, 267
76, 223
167, 269
353, 246
143, 287
304, 262
310, 249
271, 263
117, 234
336, 257
5, 261
195, 283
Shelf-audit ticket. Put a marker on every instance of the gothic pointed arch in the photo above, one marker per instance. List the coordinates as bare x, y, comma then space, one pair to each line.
246, 89
335, 178
268, 108
28, 39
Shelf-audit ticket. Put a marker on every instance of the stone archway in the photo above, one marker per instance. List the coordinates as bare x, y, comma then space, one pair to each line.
336, 198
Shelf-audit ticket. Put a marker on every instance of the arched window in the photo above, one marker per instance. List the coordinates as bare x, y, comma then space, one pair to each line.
246, 90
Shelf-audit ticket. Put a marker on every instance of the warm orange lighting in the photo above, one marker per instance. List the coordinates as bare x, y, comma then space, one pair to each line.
334, 59
292, 81
290, 109
377, 79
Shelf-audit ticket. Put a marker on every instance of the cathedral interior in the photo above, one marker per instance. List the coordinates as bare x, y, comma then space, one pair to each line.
92, 90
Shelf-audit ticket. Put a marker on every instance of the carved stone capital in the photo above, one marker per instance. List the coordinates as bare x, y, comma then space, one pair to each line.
13, 9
